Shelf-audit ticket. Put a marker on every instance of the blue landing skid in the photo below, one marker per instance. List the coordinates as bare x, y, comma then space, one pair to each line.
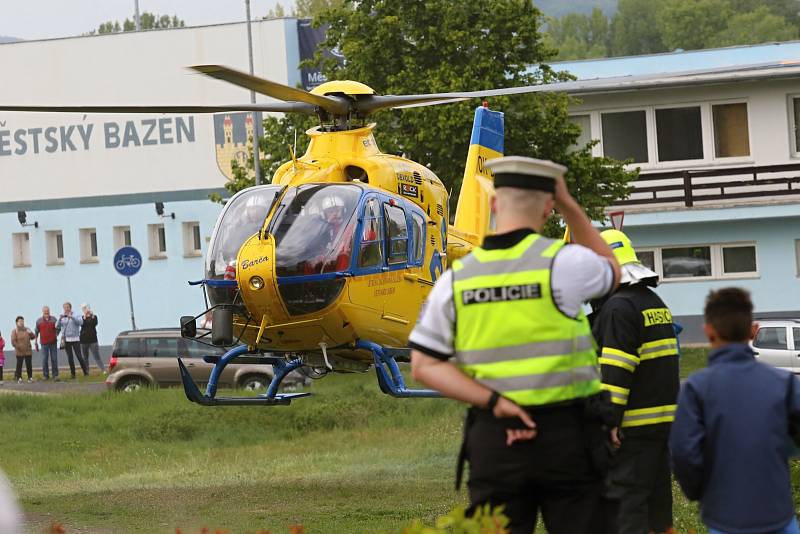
391, 382
280, 367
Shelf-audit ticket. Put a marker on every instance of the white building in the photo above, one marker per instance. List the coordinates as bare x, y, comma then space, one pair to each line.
715, 134
91, 181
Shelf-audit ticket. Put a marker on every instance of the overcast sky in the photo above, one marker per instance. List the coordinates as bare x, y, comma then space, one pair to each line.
42, 19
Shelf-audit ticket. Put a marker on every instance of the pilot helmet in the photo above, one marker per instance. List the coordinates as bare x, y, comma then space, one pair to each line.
255, 208
333, 201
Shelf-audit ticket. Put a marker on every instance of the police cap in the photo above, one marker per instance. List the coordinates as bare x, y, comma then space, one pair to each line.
525, 173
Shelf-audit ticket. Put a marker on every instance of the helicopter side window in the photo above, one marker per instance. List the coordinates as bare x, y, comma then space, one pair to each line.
418, 227
397, 234
371, 254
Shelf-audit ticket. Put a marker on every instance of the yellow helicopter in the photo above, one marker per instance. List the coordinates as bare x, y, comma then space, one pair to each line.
327, 267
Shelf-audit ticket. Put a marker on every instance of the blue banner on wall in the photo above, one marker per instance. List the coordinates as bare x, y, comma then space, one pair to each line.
310, 39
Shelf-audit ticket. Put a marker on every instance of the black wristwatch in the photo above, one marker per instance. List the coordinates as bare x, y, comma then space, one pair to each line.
493, 401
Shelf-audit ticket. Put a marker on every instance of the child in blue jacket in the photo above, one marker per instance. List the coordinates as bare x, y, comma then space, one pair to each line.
730, 441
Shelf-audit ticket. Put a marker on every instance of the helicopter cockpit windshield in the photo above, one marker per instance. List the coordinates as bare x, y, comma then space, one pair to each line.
242, 217
314, 229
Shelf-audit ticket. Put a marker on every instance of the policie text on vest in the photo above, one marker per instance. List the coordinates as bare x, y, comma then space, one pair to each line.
501, 294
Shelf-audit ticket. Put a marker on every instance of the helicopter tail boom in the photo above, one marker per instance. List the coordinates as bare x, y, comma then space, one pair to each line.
477, 187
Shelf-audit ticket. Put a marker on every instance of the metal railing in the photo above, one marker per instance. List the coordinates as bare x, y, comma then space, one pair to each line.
714, 184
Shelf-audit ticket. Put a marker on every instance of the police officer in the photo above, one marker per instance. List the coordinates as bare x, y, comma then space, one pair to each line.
509, 314
639, 363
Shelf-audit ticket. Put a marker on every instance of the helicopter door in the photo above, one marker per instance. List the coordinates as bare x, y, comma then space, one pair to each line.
370, 252
402, 299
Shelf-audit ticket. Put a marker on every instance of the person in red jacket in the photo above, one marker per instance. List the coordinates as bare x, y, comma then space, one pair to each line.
48, 339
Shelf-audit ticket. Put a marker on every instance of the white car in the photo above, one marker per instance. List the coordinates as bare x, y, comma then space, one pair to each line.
777, 343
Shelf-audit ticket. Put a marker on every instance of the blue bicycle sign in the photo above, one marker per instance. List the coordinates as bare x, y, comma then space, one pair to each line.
127, 261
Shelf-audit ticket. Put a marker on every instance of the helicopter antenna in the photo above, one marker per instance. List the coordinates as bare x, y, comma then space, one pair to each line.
294, 158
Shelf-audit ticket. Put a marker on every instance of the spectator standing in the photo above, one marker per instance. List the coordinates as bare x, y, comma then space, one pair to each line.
21, 338
89, 337
48, 339
730, 440
2, 356
69, 326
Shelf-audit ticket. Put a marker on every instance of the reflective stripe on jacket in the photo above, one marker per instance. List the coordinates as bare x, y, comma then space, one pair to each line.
509, 334
638, 356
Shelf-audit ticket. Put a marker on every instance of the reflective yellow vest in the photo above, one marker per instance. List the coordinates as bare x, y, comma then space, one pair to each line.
509, 334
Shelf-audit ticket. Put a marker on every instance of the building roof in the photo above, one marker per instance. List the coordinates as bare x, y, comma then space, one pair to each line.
681, 61
680, 69
661, 80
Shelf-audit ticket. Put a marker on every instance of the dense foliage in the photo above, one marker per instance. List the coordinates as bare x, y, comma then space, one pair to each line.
645, 26
403, 47
148, 21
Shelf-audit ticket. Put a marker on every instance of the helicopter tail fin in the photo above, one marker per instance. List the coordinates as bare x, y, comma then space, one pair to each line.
472, 212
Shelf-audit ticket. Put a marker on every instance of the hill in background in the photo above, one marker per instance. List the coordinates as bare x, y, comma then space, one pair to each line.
4, 39
559, 8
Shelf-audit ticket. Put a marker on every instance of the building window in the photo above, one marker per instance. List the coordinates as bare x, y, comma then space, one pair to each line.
797, 254
647, 258
122, 237
418, 227
371, 254
55, 247
731, 132
739, 259
720, 261
156, 241
88, 243
625, 135
686, 262
21, 249
397, 234
583, 122
679, 134
192, 243
796, 115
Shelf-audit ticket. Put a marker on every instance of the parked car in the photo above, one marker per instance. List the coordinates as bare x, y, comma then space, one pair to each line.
142, 358
777, 343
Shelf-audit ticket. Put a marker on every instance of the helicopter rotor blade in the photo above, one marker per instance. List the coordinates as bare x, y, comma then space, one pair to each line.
333, 105
371, 104
280, 107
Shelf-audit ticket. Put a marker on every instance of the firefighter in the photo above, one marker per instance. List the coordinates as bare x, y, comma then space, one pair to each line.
638, 352
510, 315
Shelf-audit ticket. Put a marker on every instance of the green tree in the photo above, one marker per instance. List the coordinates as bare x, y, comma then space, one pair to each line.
148, 21
401, 47
276, 12
578, 36
303, 8
758, 26
405, 46
313, 8
788, 9
690, 24
634, 29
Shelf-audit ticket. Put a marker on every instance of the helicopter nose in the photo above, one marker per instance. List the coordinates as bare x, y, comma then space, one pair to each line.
255, 274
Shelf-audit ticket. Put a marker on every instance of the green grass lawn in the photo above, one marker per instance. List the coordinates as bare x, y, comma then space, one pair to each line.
348, 459
692, 359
